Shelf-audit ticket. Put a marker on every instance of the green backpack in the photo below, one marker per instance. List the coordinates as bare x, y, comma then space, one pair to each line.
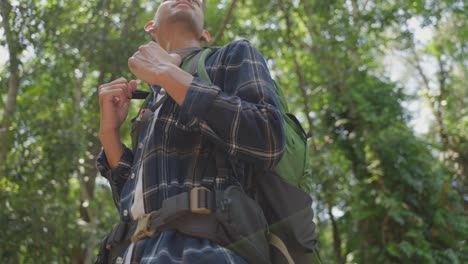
286, 206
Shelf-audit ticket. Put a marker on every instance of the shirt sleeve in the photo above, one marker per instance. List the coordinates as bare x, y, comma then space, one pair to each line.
240, 111
117, 176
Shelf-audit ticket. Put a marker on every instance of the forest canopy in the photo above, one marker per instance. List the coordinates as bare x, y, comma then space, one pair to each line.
379, 84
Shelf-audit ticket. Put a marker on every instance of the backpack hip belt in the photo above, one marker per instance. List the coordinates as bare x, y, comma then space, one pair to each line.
229, 218
199, 201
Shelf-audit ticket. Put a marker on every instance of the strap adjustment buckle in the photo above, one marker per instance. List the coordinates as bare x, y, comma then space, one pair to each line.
198, 201
143, 229
201, 200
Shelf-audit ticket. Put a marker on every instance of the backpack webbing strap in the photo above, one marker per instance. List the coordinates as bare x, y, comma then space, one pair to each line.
161, 101
140, 95
201, 65
279, 244
195, 64
199, 200
191, 63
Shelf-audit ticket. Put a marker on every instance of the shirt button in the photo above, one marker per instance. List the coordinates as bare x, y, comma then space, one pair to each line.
119, 260
125, 212
140, 146
132, 176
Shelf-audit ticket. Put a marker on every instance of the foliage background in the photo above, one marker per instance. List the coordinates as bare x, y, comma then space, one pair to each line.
357, 73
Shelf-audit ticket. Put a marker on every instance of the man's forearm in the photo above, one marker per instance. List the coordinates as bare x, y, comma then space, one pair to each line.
176, 82
110, 141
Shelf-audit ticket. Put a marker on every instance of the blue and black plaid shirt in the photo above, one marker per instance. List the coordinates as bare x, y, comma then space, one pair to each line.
237, 117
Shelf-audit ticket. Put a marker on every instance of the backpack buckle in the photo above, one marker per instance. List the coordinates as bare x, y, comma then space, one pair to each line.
143, 229
201, 200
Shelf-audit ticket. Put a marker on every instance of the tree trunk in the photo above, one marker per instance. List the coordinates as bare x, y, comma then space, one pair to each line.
14, 50
336, 237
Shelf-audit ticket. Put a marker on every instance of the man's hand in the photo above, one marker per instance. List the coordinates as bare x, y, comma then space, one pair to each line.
151, 63
114, 99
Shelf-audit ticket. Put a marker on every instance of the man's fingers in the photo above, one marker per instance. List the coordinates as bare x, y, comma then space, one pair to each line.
125, 87
154, 44
112, 93
132, 63
120, 80
150, 48
177, 60
133, 85
117, 81
117, 96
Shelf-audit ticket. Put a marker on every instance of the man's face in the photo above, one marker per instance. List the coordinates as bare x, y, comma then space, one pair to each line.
187, 12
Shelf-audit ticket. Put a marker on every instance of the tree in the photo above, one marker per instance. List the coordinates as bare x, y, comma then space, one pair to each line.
382, 193
15, 47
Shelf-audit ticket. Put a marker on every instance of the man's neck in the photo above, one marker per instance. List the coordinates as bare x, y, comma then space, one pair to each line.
177, 39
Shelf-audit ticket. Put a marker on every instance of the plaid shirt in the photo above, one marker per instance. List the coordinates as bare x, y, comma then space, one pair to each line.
236, 117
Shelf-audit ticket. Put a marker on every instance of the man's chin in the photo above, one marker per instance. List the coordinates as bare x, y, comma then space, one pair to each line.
185, 19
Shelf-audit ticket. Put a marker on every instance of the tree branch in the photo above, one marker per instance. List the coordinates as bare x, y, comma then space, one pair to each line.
227, 18
300, 77
436, 112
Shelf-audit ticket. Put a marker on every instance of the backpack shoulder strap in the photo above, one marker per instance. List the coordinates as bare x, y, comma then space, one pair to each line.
195, 64
202, 73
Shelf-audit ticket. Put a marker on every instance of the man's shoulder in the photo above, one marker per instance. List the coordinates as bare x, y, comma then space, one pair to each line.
238, 43
237, 48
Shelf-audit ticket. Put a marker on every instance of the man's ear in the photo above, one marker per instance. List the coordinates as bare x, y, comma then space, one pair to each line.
149, 27
205, 37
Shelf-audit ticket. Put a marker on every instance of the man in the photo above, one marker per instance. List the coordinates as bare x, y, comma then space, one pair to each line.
236, 118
